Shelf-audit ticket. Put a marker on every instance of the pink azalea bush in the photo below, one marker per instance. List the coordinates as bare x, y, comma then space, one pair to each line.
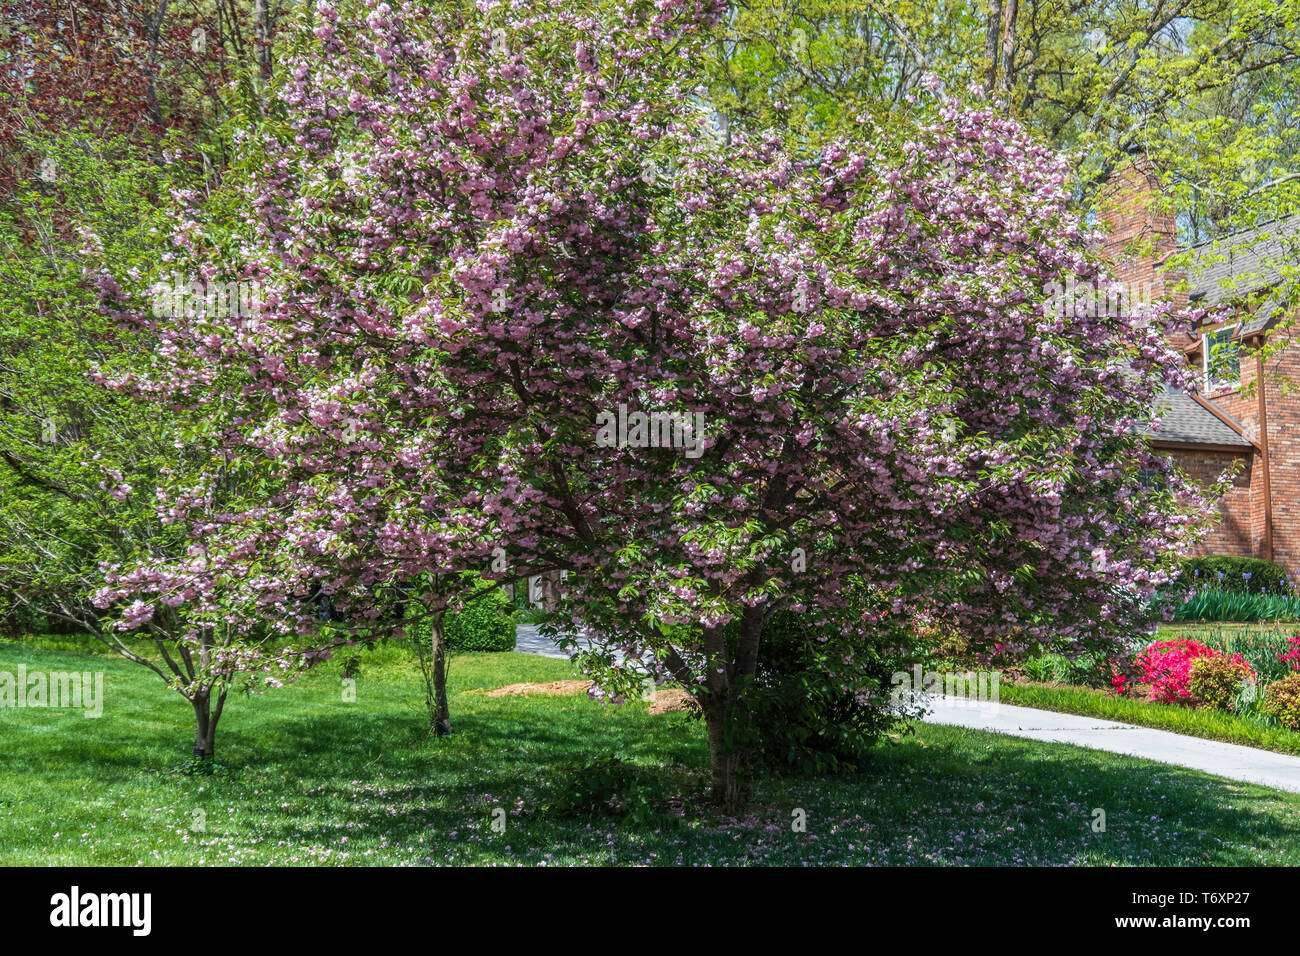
1166, 667
1292, 655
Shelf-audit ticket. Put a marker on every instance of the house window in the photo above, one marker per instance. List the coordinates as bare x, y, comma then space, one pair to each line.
1221, 361
1154, 480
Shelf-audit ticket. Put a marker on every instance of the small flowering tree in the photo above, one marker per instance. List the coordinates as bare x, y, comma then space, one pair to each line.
528, 310
98, 488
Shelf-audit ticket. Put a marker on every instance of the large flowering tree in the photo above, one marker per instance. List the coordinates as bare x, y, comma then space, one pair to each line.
527, 308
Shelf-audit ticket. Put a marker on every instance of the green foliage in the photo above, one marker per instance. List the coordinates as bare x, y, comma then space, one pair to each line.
198, 767
1282, 701
487, 623
1213, 604
1231, 588
17, 619
1051, 667
1260, 649
1047, 669
1239, 575
1217, 681
1259, 645
1249, 707
78, 460
609, 785
532, 615
1078, 74
800, 718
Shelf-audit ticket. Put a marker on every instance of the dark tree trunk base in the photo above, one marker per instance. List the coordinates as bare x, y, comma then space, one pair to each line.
730, 791
206, 718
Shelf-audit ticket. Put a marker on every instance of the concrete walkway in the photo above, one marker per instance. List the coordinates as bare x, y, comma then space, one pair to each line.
1233, 761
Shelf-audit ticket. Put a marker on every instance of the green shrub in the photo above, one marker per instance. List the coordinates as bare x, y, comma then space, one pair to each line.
1217, 680
1249, 706
799, 717
17, 620
1282, 701
1239, 575
609, 786
1052, 667
1047, 669
486, 624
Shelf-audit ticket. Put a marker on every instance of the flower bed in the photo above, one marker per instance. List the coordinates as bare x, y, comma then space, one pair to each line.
1188, 672
1165, 668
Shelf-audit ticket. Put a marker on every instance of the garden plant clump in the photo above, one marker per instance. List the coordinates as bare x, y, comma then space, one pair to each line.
1191, 673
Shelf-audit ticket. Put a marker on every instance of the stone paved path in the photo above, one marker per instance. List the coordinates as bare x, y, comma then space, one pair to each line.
528, 640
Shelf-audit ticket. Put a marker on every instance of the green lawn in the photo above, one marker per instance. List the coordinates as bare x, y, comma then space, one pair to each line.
306, 778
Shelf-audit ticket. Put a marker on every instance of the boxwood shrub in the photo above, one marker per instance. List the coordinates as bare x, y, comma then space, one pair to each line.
1240, 575
487, 624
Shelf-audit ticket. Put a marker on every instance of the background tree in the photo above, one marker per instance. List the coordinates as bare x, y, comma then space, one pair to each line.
1205, 89
1204, 92
83, 465
131, 68
105, 108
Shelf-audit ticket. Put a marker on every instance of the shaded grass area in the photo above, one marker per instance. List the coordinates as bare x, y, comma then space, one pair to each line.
1200, 722
304, 777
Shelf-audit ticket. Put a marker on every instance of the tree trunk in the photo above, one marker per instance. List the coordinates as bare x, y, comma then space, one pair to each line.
730, 790
1006, 78
730, 743
262, 30
441, 713
154, 34
206, 718
991, 43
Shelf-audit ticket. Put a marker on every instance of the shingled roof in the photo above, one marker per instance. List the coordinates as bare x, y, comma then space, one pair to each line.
1183, 419
1222, 271
1234, 266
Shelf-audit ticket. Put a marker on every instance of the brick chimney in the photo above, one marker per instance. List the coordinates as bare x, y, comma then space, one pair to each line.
1141, 229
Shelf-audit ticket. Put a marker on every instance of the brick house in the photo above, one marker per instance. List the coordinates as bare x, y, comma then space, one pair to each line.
1222, 424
